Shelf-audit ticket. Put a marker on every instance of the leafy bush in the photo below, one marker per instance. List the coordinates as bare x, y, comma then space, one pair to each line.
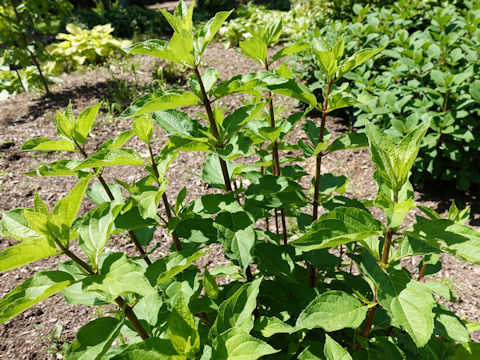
428, 71
10, 83
289, 297
127, 21
19, 21
305, 15
81, 47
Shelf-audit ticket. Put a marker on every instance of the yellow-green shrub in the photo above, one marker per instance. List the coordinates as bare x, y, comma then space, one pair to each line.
80, 47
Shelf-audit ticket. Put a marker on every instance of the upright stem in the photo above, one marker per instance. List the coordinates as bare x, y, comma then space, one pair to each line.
132, 235
384, 260
387, 245
176, 240
213, 128
119, 300
369, 322
318, 167
276, 160
320, 155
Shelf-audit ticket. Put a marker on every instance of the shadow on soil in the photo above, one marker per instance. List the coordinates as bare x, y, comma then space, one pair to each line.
59, 99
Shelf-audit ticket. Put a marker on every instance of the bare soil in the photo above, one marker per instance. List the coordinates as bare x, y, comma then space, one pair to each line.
29, 336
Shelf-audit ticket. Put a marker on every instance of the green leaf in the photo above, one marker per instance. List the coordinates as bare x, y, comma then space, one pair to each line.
332, 311
208, 31
143, 128
132, 220
45, 144
95, 230
237, 311
151, 349
356, 60
14, 225
210, 285
148, 200
475, 91
334, 351
212, 171
340, 226
209, 79
168, 267
118, 275
182, 331
236, 344
66, 210
111, 157
175, 122
448, 325
98, 195
64, 124
274, 260
439, 287
254, 48
409, 302
181, 46
117, 142
84, 123
270, 133
295, 90
326, 61
235, 121
347, 141
157, 48
168, 101
57, 168
36, 288
343, 100
393, 163
237, 235
94, 339
449, 236
269, 326
290, 50
339, 48
395, 212
27, 252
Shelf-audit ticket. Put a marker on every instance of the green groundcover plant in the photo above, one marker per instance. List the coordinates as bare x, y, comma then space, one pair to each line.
289, 295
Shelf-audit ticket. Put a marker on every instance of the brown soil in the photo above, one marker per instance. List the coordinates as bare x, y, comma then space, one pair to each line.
24, 116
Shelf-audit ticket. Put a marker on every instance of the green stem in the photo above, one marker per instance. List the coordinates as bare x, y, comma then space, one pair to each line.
213, 128
132, 235
318, 167
175, 237
119, 300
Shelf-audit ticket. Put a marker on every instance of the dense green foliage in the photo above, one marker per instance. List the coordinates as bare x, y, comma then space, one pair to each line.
127, 21
302, 283
430, 70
